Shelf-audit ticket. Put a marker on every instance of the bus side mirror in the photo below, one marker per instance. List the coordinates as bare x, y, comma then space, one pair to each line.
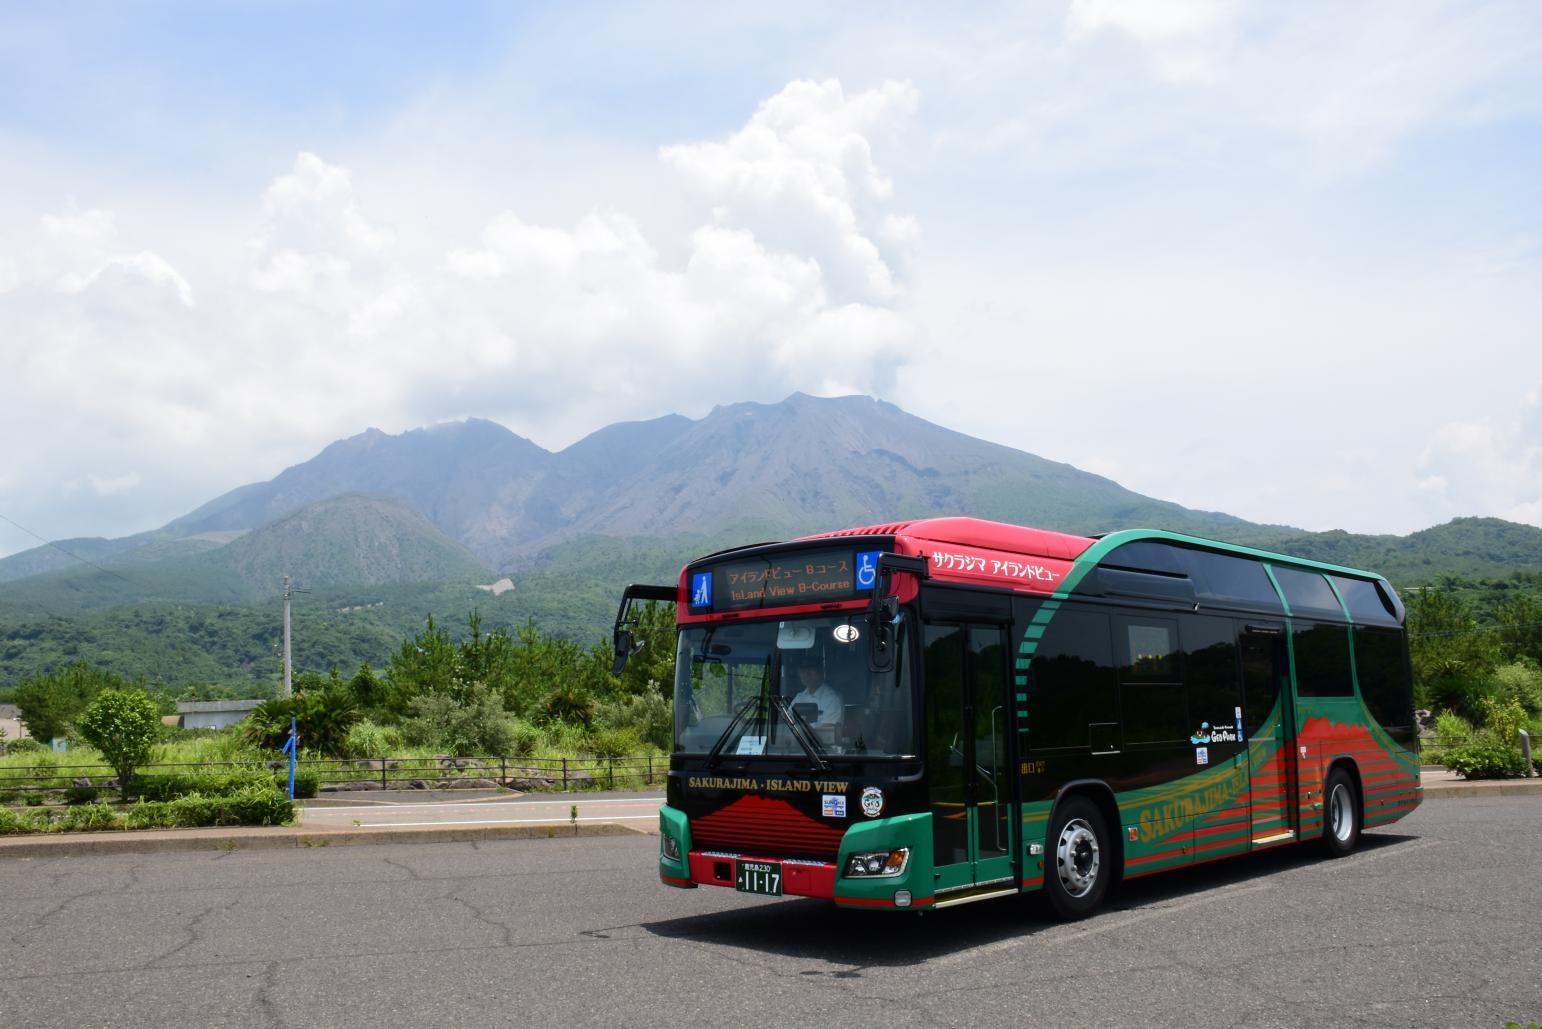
624, 647
880, 623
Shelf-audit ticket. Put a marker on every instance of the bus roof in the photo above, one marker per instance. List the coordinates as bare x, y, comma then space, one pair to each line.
1029, 542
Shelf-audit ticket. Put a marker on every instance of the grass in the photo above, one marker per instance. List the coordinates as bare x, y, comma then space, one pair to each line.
26, 773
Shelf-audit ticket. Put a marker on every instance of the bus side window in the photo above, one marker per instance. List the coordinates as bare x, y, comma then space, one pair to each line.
1322, 660
1151, 694
1210, 670
1071, 681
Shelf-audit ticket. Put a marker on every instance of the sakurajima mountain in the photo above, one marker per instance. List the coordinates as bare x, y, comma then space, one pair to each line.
386, 529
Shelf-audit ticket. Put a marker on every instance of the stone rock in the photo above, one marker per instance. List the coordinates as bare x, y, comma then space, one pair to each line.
82, 781
417, 784
473, 784
347, 787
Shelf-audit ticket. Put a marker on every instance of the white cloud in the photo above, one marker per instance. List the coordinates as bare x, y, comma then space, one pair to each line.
1185, 40
93, 226
801, 175
125, 275
313, 231
1493, 464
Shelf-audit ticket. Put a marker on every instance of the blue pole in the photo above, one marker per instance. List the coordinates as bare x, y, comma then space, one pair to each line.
294, 750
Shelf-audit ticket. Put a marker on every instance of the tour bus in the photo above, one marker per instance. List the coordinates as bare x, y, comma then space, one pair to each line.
934, 712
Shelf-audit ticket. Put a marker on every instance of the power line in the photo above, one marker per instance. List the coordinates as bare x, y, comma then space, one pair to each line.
66, 553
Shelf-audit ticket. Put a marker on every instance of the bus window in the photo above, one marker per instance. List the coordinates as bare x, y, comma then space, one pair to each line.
1071, 681
1308, 594
1227, 581
1367, 604
1383, 677
1210, 670
1151, 695
1322, 660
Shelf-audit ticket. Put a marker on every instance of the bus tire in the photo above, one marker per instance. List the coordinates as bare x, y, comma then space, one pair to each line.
1080, 860
1340, 814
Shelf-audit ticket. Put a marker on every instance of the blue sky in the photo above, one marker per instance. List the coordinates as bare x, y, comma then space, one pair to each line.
1279, 260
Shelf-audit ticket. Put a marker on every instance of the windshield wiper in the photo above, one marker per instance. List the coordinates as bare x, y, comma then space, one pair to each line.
733, 725
801, 732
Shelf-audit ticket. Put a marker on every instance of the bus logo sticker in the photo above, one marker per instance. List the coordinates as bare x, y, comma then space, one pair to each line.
701, 589
1203, 736
872, 802
1239, 724
833, 805
847, 633
867, 569
1201, 755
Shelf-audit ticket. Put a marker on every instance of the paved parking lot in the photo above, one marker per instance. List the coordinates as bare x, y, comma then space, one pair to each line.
1434, 922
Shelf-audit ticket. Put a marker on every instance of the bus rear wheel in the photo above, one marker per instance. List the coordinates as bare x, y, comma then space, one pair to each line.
1341, 814
1079, 860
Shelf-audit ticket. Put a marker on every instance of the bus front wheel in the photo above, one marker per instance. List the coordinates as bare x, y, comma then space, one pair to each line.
1341, 814
1080, 860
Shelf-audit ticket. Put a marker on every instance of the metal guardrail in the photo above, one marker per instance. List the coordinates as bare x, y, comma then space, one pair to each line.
386, 773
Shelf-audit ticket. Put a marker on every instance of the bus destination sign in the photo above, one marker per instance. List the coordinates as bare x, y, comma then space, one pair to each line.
780, 580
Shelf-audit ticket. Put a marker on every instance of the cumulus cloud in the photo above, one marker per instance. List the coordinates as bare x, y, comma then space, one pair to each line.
313, 230
1491, 464
801, 175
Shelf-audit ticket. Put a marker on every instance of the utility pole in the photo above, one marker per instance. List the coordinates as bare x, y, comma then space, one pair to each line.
289, 590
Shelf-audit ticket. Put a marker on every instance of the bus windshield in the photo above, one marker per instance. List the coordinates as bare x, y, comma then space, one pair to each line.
752, 689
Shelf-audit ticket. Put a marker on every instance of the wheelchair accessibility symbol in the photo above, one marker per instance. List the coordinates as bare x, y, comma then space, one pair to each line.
867, 569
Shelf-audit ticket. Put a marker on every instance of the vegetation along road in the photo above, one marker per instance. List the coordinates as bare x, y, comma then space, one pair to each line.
1434, 923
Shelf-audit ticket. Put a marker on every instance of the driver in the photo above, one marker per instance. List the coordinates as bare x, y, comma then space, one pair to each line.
814, 690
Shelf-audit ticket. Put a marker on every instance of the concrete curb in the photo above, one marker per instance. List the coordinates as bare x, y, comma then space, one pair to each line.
161, 841
1484, 788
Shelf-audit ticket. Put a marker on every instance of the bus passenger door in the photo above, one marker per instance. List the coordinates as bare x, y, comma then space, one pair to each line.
1266, 706
968, 767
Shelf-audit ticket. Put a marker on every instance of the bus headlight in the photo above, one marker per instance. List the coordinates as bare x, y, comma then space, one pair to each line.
878, 863
669, 846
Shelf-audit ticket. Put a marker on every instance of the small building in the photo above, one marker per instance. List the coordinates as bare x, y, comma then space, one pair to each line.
213, 714
10, 722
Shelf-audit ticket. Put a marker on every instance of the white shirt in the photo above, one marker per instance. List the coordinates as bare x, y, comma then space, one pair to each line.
828, 700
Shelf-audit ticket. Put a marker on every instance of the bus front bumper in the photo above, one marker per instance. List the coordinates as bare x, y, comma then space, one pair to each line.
685, 868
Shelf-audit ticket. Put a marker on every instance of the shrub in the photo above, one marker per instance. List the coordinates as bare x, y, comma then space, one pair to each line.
366, 739
526, 739
1522, 683
324, 718
80, 795
474, 724
13, 821
307, 782
648, 715
1504, 719
26, 745
615, 743
123, 725
569, 704
88, 818
255, 805
221, 781
1485, 758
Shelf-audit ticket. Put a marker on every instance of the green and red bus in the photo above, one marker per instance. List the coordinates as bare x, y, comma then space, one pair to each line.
929, 713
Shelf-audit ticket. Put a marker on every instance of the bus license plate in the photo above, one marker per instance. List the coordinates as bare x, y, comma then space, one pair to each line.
759, 877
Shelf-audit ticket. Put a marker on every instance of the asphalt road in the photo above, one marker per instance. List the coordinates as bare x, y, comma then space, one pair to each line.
1434, 922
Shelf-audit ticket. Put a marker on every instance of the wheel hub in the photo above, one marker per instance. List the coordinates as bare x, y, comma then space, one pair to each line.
1076, 858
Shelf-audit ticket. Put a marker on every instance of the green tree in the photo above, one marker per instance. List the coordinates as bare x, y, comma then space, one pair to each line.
123, 724
425, 664
1520, 627
51, 703
1453, 657
652, 669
